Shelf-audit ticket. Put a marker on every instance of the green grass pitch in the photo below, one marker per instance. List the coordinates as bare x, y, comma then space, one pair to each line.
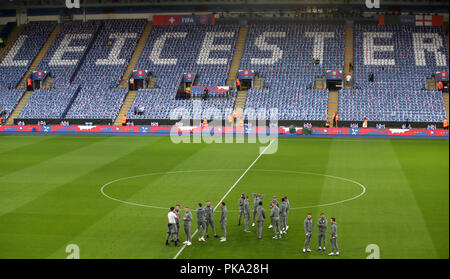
50, 195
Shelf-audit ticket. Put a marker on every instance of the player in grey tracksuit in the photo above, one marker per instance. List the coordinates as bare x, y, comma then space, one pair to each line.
247, 213
177, 212
308, 226
275, 220
283, 215
274, 200
333, 238
322, 225
260, 216
256, 199
187, 225
287, 211
201, 222
223, 222
241, 207
209, 211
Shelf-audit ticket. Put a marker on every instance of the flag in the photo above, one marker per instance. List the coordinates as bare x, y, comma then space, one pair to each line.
422, 20
427, 20
166, 20
221, 89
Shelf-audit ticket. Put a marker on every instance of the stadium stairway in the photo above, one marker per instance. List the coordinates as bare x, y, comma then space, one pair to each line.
37, 60
431, 84
18, 109
125, 106
348, 54
319, 82
152, 82
137, 53
333, 101
237, 56
445, 97
258, 82
239, 103
9, 42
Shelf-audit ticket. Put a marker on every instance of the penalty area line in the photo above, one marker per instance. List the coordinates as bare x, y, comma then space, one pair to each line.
229, 191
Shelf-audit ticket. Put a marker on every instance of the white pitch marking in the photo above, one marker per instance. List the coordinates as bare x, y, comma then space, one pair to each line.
231, 188
326, 175
232, 170
102, 189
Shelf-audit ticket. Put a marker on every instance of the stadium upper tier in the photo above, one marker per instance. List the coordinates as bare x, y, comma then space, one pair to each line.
88, 60
67, 50
19, 58
283, 53
111, 51
401, 54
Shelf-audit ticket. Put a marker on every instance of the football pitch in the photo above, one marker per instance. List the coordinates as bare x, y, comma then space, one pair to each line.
110, 195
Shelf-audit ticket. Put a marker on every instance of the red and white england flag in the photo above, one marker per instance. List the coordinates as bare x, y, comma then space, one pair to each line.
427, 20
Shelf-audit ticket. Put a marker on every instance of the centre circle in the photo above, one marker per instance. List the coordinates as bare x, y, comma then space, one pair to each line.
280, 182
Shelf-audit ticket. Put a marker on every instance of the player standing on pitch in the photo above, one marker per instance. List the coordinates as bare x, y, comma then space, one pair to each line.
209, 211
287, 211
201, 222
172, 227
246, 213
333, 238
256, 200
308, 226
177, 212
274, 200
322, 225
223, 222
241, 207
283, 215
187, 225
275, 220
260, 216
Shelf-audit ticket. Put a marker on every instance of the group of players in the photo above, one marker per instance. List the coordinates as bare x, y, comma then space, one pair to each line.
278, 222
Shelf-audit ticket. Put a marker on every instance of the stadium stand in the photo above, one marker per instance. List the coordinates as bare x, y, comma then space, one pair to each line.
48, 103
391, 104
283, 55
110, 54
9, 100
409, 55
88, 61
93, 103
300, 104
158, 105
20, 56
172, 51
38, 59
67, 51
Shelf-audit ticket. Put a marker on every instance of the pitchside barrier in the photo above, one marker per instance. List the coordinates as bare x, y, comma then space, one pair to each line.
165, 130
160, 122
